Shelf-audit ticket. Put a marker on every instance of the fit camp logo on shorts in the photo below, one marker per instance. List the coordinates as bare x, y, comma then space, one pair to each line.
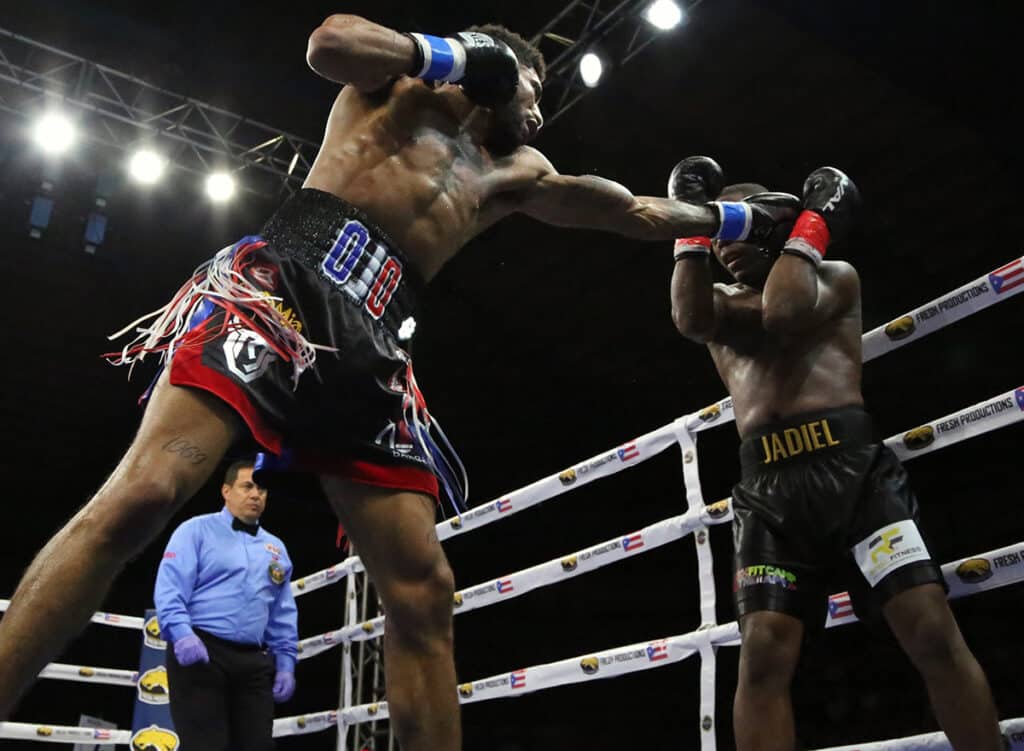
752, 576
889, 548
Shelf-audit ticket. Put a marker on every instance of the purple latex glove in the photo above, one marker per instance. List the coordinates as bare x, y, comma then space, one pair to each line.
189, 650
284, 686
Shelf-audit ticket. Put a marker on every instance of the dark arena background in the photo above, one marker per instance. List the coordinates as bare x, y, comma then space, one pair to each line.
537, 347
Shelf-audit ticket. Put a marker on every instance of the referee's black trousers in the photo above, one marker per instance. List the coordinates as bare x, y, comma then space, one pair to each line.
225, 704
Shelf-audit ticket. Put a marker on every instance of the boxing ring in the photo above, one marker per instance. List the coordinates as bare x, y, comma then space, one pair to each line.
967, 576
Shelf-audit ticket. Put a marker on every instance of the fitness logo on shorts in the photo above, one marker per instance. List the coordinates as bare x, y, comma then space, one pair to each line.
152, 634
974, 570
901, 328
889, 548
568, 477
155, 738
153, 687
918, 438
246, 353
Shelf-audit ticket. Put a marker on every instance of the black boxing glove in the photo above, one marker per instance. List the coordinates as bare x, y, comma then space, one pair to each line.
762, 219
486, 68
695, 179
830, 204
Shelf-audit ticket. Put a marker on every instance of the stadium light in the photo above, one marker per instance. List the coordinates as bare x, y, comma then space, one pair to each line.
664, 14
591, 69
146, 166
220, 186
54, 133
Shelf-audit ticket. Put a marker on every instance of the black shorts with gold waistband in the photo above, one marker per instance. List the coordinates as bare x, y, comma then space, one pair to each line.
820, 501
336, 279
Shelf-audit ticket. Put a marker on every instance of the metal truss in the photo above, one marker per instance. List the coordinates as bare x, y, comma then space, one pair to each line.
616, 30
125, 112
362, 671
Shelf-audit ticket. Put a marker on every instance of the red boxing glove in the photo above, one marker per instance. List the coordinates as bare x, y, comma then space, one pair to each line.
831, 201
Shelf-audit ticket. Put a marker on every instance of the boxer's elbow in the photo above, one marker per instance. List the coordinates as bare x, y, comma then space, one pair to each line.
695, 327
333, 46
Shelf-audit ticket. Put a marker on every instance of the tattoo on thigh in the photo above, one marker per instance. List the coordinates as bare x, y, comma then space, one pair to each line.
186, 450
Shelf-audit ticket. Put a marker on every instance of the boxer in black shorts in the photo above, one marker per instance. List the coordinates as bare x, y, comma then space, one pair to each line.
320, 271
818, 493
291, 337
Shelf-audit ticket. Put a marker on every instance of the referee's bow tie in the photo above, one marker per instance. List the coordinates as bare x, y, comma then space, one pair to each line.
252, 529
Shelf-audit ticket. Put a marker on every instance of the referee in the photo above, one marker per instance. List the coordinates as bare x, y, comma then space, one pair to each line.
223, 599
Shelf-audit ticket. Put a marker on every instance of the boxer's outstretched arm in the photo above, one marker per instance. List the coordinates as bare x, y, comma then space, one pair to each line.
351, 50
591, 202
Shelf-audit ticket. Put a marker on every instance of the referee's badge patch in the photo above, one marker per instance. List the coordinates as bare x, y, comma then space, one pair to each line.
276, 571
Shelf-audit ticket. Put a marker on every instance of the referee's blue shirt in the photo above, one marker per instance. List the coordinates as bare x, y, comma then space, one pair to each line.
228, 583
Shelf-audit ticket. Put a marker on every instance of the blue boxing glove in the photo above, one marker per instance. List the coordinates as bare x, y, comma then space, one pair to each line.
284, 686
189, 650
486, 68
763, 219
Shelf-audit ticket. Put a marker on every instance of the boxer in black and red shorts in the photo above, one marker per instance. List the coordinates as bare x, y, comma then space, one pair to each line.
818, 494
335, 279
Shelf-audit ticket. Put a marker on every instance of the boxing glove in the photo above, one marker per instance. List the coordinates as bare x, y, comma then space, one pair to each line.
762, 219
830, 204
695, 179
486, 68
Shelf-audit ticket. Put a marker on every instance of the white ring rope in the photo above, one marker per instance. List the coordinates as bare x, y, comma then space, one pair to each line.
998, 568
1013, 732
972, 421
992, 414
